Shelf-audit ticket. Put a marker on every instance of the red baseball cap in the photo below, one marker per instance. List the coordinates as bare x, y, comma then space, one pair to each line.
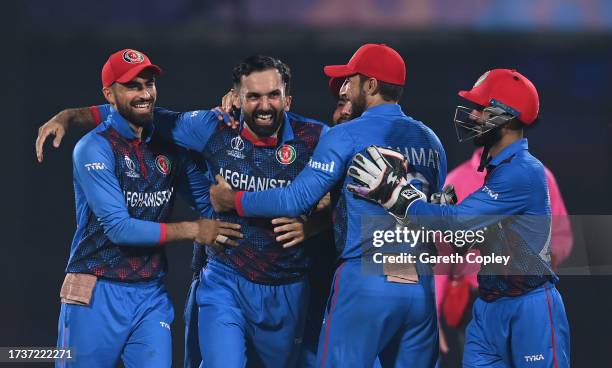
508, 89
125, 65
334, 86
375, 61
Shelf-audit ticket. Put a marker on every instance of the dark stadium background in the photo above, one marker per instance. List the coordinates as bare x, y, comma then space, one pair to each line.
53, 53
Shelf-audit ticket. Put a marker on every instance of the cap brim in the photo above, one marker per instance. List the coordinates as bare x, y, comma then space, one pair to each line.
338, 71
472, 97
133, 73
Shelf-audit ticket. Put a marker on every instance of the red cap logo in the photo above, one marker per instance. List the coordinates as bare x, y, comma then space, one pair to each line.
133, 57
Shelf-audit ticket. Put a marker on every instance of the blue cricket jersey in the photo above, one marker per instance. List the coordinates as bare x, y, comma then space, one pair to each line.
251, 165
514, 205
196, 183
383, 125
125, 189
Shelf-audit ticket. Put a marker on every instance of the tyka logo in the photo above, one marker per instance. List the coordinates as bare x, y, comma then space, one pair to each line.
534, 358
95, 166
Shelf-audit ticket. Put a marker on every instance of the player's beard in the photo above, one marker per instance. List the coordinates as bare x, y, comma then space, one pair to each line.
264, 130
489, 138
358, 105
130, 114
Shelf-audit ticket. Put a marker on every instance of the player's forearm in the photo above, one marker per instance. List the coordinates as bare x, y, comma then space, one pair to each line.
450, 217
181, 231
297, 199
140, 233
79, 116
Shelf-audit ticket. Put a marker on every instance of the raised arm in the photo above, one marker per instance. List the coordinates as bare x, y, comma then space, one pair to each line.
57, 126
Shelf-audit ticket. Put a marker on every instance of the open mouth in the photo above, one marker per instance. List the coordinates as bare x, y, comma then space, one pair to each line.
264, 118
142, 106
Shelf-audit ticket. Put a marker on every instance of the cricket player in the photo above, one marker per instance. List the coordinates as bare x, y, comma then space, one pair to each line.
457, 288
367, 315
125, 177
519, 319
267, 264
91, 117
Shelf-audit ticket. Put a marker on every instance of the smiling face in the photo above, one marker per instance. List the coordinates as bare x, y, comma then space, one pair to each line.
263, 101
135, 99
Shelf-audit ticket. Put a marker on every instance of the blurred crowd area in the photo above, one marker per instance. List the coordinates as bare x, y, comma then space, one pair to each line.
566, 15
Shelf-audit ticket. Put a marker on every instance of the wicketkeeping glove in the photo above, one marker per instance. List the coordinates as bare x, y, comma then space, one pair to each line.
446, 196
382, 179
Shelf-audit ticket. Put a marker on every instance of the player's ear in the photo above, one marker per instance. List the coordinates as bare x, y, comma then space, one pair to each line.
372, 86
288, 100
236, 97
109, 95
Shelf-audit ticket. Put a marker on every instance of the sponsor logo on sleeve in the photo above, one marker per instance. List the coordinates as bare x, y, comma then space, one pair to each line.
534, 358
322, 166
491, 193
95, 166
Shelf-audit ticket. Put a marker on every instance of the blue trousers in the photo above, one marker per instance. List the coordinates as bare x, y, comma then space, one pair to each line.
368, 316
128, 321
244, 324
193, 358
530, 330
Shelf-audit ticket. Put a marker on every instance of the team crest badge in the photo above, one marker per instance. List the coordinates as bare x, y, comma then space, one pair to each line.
163, 164
286, 154
133, 57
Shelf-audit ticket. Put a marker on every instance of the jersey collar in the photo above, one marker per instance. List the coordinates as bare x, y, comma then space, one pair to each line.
285, 132
509, 151
383, 109
122, 126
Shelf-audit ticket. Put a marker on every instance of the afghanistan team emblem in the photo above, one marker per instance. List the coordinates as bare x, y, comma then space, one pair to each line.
133, 57
286, 154
163, 164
